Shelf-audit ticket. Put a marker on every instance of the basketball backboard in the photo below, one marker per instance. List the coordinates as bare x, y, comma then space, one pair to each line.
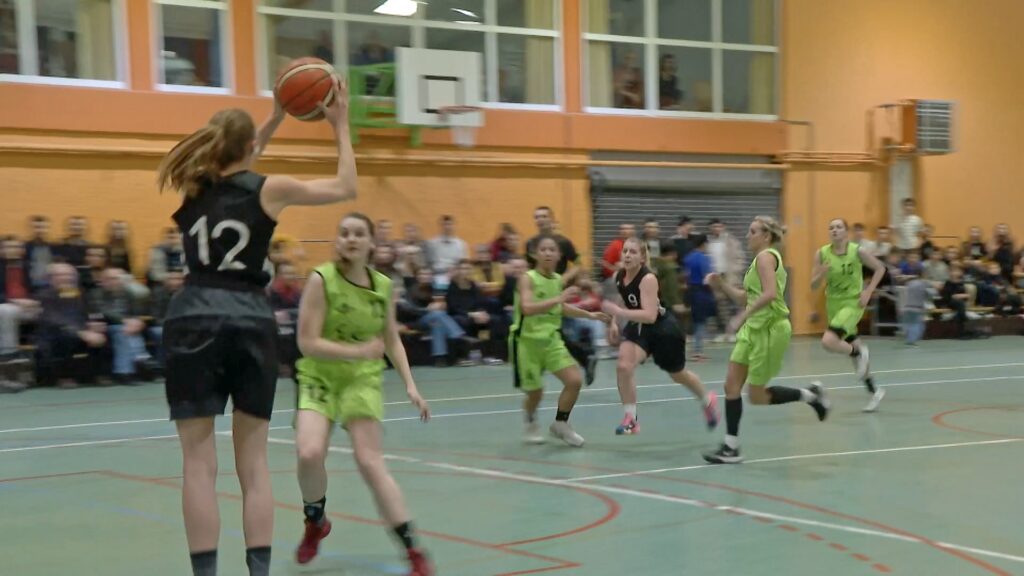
428, 80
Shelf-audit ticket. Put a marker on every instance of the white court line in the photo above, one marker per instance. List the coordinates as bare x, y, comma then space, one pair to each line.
87, 443
675, 500
511, 411
798, 457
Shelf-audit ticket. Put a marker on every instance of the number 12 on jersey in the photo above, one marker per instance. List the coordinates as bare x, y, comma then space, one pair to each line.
201, 230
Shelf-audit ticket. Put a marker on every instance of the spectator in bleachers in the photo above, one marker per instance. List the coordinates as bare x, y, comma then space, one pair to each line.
611, 261
385, 262
975, 249
667, 272
469, 308
39, 253
544, 218
1002, 251
996, 292
514, 269
285, 292
951, 255
700, 297
123, 314
910, 227
487, 274
383, 230
72, 248
883, 245
445, 251
1020, 272
159, 300
682, 240
17, 304
506, 245
954, 296
926, 244
936, 270
578, 329
96, 261
119, 245
911, 265
411, 249
727, 259
65, 329
423, 310
917, 299
168, 255
869, 246
652, 237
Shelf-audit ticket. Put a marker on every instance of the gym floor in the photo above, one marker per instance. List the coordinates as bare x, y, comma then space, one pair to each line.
930, 484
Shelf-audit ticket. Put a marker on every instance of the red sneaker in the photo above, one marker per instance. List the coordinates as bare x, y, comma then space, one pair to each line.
310, 544
419, 563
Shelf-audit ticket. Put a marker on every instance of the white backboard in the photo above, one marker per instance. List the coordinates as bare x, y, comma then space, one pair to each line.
427, 80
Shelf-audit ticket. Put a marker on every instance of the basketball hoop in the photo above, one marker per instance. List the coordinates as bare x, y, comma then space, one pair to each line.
462, 136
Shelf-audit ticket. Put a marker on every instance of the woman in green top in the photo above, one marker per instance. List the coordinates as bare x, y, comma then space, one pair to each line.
841, 264
763, 335
346, 323
536, 346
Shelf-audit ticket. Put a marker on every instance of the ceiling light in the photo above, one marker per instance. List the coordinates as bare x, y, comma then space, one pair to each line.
397, 8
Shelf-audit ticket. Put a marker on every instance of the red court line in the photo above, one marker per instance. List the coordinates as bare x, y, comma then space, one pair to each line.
940, 420
882, 568
45, 476
614, 508
807, 506
860, 557
557, 563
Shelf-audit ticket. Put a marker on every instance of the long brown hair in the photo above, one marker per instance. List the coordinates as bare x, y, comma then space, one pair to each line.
200, 158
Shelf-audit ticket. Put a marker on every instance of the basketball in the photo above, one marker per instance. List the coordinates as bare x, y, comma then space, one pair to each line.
303, 85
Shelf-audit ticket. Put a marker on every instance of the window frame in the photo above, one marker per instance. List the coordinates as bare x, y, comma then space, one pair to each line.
651, 44
226, 49
28, 50
418, 26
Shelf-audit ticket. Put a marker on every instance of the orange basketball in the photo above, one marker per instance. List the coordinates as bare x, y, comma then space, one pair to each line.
303, 85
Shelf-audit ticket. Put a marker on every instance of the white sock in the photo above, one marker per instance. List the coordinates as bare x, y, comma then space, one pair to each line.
807, 396
732, 441
630, 410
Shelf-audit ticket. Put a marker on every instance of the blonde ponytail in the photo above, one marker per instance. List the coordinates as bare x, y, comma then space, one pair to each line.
200, 157
772, 226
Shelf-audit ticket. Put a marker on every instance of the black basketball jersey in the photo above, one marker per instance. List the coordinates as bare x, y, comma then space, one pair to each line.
630, 293
226, 233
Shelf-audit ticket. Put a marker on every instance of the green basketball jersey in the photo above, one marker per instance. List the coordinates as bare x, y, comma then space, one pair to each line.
845, 278
539, 326
354, 314
777, 309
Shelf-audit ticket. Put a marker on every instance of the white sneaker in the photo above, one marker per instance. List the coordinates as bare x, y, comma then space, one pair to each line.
862, 362
720, 339
565, 433
876, 398
532, 435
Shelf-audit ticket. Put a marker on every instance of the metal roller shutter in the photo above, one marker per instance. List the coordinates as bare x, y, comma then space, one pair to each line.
614, 206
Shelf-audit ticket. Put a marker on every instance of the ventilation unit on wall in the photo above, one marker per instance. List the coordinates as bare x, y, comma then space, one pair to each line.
928, 126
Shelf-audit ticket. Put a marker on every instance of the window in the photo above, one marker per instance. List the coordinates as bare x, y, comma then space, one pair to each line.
63, 41
714, 58
519, 39
193, 44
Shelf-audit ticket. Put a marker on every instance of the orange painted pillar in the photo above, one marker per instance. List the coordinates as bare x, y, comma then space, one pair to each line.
243, 18
141, 56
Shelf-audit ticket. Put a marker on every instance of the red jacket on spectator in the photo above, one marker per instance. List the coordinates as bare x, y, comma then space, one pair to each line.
612, 255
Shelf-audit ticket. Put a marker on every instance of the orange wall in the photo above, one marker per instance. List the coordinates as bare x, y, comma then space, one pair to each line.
842, 58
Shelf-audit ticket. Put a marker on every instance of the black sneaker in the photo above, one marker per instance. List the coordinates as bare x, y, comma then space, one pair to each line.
821, 404
590, 370
724, 455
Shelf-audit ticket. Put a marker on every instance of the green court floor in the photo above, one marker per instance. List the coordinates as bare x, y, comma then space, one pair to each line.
929, 485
